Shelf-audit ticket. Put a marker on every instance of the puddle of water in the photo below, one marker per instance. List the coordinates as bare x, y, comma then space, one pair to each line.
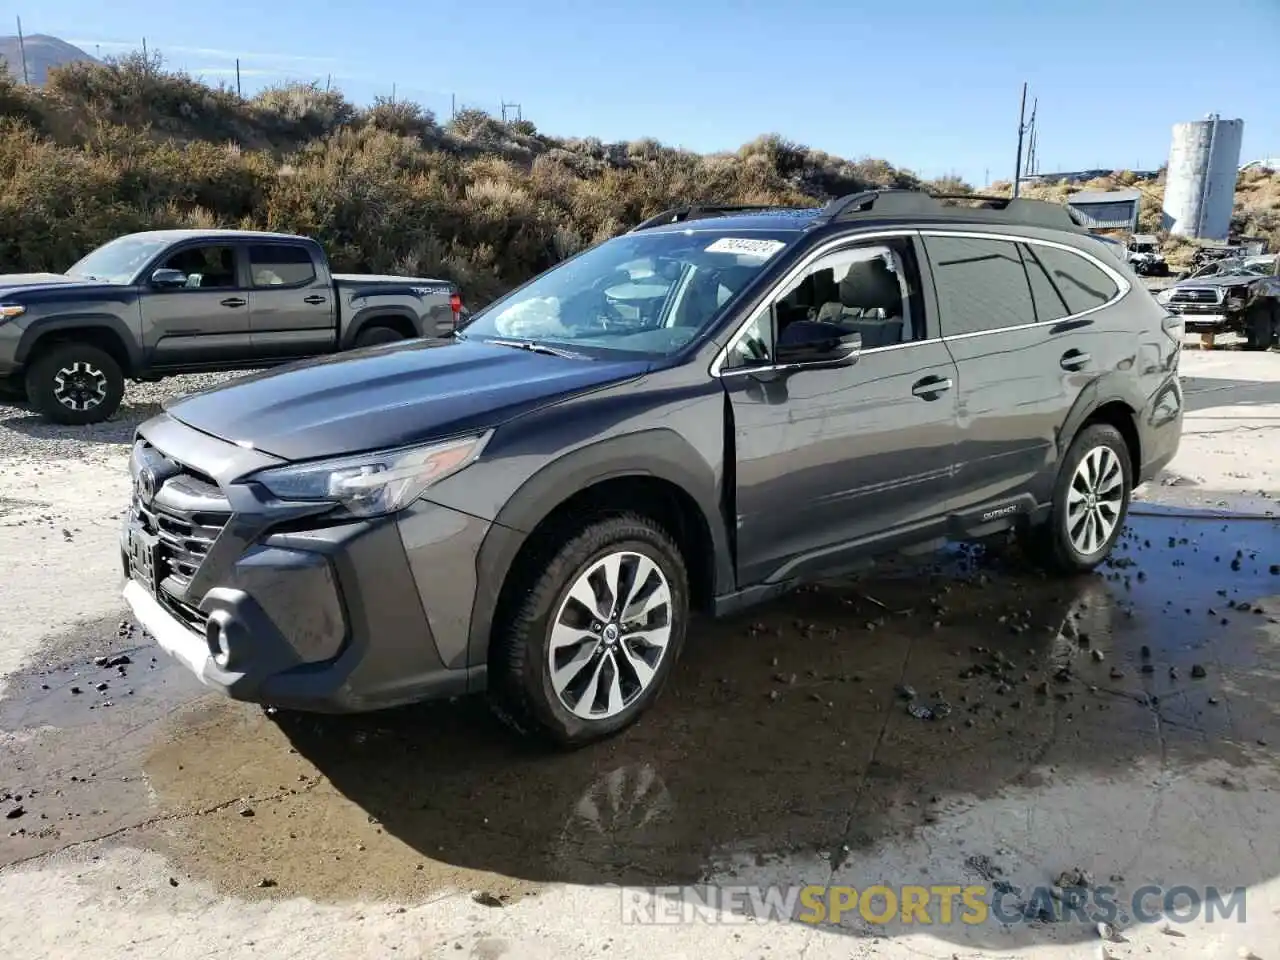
785, 731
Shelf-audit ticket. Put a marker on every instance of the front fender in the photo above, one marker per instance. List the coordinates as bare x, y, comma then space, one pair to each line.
41, 327
660, 453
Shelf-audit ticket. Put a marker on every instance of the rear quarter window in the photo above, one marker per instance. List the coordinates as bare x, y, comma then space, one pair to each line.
1077, 283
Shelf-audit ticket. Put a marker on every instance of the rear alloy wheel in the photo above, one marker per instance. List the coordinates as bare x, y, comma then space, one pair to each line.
598, 632
75, 384
1090, 501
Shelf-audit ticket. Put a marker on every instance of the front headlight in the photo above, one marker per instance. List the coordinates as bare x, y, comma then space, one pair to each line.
372, 484
1164, 296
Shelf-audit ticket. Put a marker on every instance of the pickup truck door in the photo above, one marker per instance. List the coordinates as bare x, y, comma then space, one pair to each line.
204, 321
291, 301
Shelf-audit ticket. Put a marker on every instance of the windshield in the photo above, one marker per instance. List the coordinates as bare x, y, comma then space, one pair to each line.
646, 293
118, 261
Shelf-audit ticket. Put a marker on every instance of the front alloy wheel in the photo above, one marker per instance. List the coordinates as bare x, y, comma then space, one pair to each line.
589, 629
610, 635
80, 386
75, 383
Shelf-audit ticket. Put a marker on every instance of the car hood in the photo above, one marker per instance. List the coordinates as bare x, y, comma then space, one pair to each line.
34, 282
1227, 280
389, 396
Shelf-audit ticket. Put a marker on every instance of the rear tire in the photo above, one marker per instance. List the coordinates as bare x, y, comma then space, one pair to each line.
1090, 502
75, 384
567, 664
373, 336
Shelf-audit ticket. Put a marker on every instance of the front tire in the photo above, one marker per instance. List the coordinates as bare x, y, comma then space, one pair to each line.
75, 384
595, 632
1090, 501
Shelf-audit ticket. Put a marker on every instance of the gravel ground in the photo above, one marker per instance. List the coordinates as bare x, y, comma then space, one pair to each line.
27, 437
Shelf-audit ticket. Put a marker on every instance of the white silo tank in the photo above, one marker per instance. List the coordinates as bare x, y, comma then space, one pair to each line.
1200, 184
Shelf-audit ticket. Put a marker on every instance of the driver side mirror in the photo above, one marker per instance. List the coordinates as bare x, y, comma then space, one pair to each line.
816, 343
168, 279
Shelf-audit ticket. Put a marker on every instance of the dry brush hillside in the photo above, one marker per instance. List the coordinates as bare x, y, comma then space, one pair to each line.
109, 148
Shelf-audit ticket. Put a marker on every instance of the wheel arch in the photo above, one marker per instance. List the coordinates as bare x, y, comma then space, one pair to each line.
652, 473
104, 331
1098, 404
399, 319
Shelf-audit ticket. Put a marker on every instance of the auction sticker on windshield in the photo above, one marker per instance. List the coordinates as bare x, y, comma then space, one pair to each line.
746, 247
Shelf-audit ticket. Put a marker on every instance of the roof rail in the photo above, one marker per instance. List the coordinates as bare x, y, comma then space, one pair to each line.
891, 203
699, 211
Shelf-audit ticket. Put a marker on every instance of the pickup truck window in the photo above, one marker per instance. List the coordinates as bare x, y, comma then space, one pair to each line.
280, 264
119, 260
212, 266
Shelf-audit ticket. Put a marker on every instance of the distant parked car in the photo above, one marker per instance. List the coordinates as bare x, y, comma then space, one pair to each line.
149, 305
695, 416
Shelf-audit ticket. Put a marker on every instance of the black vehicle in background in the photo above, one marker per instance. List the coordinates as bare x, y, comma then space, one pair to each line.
150, 305
1238, 295
690, 418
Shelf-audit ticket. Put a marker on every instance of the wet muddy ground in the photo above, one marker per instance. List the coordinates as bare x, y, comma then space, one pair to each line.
842, 719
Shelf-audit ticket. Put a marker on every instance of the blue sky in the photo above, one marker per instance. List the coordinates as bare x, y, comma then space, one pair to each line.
930, 85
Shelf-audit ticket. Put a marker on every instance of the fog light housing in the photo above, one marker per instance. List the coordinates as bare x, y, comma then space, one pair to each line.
220, 634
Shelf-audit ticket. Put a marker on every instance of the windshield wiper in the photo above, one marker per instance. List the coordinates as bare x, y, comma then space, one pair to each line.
533, 346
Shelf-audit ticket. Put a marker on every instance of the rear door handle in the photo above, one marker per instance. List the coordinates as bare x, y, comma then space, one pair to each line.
1074, 359
233, 302
313, 299
930, 387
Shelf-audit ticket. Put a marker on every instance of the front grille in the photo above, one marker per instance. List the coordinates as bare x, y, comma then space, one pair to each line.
1195, 295
186, 513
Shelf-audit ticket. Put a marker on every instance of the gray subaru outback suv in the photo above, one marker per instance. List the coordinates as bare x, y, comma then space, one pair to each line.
690, 418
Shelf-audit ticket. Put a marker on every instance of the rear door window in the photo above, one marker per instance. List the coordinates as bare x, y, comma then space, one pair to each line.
981, 284
280, 265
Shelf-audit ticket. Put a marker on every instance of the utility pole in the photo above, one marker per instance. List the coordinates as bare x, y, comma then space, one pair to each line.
519, 114
22, 52
453, 105
393, 93
1034, 135
238, 91
1017, 165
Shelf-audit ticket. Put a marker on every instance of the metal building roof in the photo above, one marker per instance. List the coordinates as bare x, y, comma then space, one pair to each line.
1105, 196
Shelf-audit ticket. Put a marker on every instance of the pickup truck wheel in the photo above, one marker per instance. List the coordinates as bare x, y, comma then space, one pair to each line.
596, 635
372, 336
1259, 328
75, 384
1090, 502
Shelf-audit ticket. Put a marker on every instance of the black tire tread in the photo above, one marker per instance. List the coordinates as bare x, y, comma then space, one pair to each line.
377, 334
557, 557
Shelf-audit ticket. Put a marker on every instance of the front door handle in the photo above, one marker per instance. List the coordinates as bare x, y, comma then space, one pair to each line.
313, 299
930, 387
1074, 359
233, 302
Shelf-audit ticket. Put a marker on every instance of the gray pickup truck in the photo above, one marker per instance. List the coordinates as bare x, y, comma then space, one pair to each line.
150, 305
